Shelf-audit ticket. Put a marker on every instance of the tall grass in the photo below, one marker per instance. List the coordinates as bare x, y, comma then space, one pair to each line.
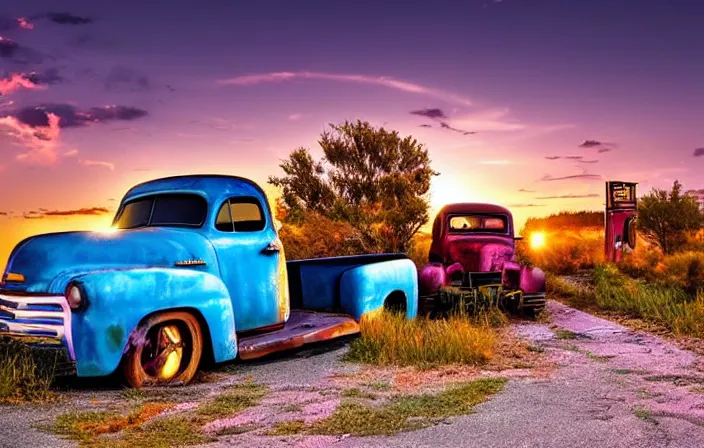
465, 336
22, 377
668, 305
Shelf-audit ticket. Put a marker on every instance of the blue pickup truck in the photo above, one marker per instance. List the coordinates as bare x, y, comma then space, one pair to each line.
192, 268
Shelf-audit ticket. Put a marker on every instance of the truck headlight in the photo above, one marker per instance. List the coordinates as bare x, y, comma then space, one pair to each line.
75, 296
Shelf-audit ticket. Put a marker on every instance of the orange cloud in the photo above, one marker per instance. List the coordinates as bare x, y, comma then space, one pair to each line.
15, 82
107, 165
41, 214
385, 81
40, 142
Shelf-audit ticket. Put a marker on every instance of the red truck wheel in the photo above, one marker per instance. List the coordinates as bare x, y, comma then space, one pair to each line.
169, 352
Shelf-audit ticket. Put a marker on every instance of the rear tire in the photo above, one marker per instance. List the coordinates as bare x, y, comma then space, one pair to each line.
168, 351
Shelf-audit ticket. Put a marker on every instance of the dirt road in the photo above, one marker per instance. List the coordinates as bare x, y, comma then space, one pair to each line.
600, 385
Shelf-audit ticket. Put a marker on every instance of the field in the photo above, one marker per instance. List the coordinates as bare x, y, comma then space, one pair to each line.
663, 290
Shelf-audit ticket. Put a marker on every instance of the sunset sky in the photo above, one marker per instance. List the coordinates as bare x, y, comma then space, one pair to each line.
531, 104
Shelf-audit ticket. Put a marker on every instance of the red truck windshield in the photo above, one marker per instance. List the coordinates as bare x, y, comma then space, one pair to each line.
477, 223
168, 210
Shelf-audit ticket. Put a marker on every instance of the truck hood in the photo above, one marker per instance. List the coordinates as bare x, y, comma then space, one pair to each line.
49, 261
479, 253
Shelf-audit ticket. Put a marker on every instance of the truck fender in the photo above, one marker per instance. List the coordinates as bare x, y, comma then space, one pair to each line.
364, 289
119, 300
532, 280
431, 279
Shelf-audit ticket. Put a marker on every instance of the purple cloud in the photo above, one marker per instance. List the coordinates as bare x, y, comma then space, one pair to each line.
71, 117
64, 18
699, 152
590, 144
430, 113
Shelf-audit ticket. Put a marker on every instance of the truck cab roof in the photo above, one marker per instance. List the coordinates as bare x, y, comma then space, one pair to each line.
213, 187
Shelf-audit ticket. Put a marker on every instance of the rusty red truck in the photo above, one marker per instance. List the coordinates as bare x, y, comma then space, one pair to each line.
473, 247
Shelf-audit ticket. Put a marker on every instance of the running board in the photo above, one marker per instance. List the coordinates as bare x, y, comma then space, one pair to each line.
302, 327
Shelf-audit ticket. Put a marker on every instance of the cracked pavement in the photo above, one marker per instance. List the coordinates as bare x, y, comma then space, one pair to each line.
609, 387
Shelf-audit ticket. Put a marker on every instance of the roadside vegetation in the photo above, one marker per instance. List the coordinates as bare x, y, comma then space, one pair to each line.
144, 424
661, 281
23, 376
467, 336
399, 413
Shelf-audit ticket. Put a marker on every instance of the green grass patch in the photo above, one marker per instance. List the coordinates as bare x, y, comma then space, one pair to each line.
24, 376
391, 339
564, 335
379, 386
241, 397
236, 430
287, 428
357, 393
143, 426
644, 415
86, 428
164, 432
407, 412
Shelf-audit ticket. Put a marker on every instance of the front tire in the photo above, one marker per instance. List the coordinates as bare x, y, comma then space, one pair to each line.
168, 352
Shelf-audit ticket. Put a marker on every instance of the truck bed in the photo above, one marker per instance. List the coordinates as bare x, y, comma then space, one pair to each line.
314, 283
302, 327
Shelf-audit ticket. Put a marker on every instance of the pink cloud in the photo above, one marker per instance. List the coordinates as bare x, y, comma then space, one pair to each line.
397, 84
71, 153
40, 142
107, 165
24, 23
15, 82
495, 120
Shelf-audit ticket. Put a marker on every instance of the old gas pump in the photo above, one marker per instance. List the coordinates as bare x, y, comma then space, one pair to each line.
621, 213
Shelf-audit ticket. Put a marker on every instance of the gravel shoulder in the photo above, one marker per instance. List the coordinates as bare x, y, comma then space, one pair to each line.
597, 384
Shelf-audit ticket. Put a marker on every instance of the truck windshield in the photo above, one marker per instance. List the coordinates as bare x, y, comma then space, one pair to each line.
477, 223
167, 210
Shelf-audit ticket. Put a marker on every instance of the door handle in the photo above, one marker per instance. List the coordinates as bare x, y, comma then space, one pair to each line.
272, 248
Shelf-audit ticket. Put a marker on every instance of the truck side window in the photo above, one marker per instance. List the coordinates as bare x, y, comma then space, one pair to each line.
247, 214
241, 214
224, 221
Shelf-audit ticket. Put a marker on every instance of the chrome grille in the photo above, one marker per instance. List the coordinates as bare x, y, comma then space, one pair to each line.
45, 317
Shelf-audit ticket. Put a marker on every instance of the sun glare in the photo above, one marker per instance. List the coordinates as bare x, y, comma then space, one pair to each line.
537, 240
106, 230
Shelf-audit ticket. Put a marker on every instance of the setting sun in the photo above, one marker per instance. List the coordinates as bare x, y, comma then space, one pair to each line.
537, 240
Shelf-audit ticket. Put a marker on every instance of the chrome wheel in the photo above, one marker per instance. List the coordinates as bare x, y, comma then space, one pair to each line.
163, 353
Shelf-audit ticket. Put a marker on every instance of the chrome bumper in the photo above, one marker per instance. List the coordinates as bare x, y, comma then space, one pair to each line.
44, 321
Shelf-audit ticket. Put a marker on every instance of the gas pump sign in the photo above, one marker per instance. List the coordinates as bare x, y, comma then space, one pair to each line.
620, 195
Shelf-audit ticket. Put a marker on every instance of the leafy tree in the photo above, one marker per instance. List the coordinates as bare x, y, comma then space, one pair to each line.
371, 178
666, 219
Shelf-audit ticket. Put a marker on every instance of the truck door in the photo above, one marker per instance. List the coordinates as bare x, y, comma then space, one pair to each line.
251, 258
